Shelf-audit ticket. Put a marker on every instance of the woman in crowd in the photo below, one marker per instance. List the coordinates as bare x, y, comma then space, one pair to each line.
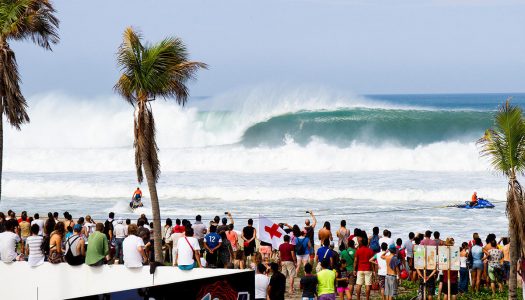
477, 263
56, 255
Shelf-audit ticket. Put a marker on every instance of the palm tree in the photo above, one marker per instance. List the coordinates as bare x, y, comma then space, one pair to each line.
150, 71
20, 20
504, 145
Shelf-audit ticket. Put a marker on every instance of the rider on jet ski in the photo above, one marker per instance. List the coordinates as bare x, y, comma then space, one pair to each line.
474, 200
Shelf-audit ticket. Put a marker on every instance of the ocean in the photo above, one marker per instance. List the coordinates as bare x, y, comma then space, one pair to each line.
392, 161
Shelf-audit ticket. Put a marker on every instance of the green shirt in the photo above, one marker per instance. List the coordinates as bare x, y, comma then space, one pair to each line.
326, 282
97, 247
348, 255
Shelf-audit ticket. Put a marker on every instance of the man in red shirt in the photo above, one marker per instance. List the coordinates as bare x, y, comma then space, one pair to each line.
288, 260
364, 268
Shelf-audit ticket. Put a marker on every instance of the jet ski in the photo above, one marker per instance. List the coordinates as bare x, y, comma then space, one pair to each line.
134, 204
482, 203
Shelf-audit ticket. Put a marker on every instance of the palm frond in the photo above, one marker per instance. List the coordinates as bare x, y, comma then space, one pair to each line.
13, 102
504, 144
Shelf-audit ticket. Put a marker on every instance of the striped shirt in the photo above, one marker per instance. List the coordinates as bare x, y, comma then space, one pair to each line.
36, 257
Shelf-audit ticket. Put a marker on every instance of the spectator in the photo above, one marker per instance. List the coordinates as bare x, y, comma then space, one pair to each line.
212, 243
324, 253
120, 235
364, 268
40, 223
308, 283
35, 256
98, 247
75, 245
8, 242
288, 261
261, 283
326, 282
277, 286
56, 255
188, 251
133, 248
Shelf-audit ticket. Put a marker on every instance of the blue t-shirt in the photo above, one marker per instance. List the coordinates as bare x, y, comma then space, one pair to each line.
212, 239
321, 252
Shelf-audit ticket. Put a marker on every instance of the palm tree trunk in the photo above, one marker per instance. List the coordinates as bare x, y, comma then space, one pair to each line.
155, 209
1, 145
514, 256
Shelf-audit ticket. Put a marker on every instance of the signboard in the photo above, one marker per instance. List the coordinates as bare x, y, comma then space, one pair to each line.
419, 257
454, 259
431, 257
443, 257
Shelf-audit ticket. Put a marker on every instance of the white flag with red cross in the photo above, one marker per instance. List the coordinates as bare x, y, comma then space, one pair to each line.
270, 232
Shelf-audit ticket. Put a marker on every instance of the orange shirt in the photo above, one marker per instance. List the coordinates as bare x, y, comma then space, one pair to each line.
474, 198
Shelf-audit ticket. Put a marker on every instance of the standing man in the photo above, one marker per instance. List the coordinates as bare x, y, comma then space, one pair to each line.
199, 230
391, 273
326, 282
224, 226
120, 235
310, 229
98, 247
249, 233
277, 286
364, 268
212, 243
288, 260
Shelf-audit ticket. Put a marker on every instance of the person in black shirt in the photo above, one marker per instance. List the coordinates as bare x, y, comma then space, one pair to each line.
308, 283
277, 283
248, 235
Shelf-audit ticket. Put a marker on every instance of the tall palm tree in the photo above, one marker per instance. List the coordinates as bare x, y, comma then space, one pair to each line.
504, 145
20, 20
150, 71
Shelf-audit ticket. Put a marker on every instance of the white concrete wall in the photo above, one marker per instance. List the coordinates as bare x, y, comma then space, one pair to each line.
20, 281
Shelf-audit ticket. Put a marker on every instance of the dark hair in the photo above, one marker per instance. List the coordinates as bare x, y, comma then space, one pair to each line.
261, 268
436, 234
177, 221
417, 240
10, 226
99, 227
80, 220
128, 221
478, 241
37, 216
230, 226
198, 218
327, 225
343, 223
286, 238
250, 221
325, 263
411, 235
216, 219
59, 228
505, 240
464, 245
357, 231
384, 246
24, 217
133, 229
111, 215
342, 261
168, 222
385, 232
55, 214
375, 230
326, 242
364, 242
399, 242
428, 233
342, 247
490, 237
296, 231
35, 229
308, 268
224, 221
140, 222
493, 243
351, 244
50, 215
213, 228
189, 231
274, 266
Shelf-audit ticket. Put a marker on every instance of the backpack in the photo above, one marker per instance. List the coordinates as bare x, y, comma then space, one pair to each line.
70, 258
45, 245
374, 244
300, 248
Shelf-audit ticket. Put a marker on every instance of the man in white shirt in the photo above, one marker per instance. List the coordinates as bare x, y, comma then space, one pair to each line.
120, 235
387, 238
188, 251
8, 242
40, 224
261, 283
199, 230
133, 248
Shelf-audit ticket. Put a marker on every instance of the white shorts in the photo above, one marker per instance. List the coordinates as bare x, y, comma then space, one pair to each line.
364, 278
305, 257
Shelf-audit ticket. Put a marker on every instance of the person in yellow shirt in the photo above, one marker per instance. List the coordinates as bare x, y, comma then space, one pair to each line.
326, 282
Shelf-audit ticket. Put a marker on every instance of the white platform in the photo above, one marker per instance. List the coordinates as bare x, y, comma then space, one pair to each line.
61, 281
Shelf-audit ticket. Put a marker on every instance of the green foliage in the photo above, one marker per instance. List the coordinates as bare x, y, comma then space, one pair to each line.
504, 144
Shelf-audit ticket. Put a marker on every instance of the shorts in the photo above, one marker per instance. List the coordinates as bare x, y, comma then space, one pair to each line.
351, 279
265, 249
477, 265
305, 257
430, 286
238, 255
342, 289
187, 267
249, 251
453, 288
410, 261
492, 275
326, 297
382, 281
390, 286
364, 277
212, 259
288, 268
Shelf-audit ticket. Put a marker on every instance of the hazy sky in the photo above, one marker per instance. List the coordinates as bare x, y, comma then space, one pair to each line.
368, 46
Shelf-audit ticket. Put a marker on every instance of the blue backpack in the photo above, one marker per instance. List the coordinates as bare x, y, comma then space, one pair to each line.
300, 247
374, 244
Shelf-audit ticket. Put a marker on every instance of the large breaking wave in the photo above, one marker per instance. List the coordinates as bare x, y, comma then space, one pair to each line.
251, 131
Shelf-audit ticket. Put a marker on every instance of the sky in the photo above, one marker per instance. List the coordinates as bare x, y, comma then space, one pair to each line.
367, 47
